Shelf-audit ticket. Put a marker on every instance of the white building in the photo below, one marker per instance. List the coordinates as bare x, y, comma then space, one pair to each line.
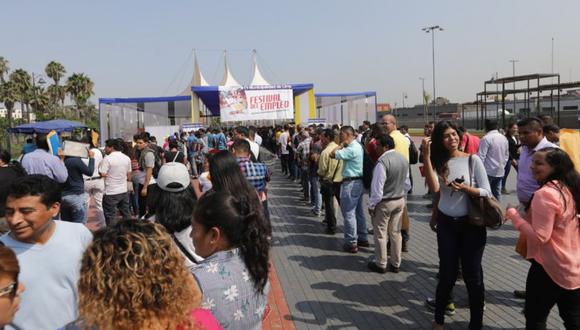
16, 114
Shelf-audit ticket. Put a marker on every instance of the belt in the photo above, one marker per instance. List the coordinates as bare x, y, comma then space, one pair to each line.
94, 178
352, 178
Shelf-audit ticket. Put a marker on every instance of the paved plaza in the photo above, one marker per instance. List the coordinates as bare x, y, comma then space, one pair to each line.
326, 288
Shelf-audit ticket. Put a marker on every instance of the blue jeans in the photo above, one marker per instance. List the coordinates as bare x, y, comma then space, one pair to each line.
73, 208
315, 195
495, 185
353, 212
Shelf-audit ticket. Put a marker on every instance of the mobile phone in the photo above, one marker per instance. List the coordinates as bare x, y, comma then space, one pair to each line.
458, 181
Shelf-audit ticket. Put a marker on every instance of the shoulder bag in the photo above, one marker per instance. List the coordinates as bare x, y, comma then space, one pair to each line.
483, 211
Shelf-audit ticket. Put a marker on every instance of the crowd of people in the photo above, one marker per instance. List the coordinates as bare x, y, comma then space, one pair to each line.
183, 230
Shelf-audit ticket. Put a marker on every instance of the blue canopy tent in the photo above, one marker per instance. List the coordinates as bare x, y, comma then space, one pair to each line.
347, 108
58, 125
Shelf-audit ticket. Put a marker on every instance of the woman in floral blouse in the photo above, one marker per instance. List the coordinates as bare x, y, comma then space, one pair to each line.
233, 237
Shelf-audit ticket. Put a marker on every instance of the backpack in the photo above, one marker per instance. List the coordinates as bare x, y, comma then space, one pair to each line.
413, 153
368, 167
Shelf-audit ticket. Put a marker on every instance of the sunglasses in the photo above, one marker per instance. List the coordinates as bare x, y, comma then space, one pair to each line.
9, 290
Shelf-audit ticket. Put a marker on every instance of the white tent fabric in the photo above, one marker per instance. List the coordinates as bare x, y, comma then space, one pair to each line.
229, 79
258, 79
197, 79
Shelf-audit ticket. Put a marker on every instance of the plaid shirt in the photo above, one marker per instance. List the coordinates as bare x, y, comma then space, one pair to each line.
256, 173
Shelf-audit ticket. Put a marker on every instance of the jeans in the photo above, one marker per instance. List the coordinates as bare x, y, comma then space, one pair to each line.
353, 212
73, 208
542, 294
95, 189
134, 196
495, 185
305, 182
193, 165
457, 241
330, 191
112, 203
315, 196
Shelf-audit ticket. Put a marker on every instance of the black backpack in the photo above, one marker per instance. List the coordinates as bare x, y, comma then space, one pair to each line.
413, 153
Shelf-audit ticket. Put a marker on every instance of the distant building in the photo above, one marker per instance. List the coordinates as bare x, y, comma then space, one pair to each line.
16, 114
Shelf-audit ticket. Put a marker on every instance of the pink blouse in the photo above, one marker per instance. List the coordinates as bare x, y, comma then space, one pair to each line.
553, 234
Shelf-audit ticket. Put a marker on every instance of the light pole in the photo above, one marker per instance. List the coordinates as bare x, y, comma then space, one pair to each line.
423, 99
432, 29
513, 61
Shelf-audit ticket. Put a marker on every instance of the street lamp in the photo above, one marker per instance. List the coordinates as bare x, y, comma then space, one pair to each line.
423, 99
432, 29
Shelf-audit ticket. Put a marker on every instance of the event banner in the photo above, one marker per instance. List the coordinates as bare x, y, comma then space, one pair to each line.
239, 103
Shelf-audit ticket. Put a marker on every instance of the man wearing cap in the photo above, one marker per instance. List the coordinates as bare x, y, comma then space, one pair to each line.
258, 174
116, 169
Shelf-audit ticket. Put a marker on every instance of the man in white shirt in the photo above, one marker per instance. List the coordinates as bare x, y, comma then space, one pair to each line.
116, 169
254, 136
242, 132
94, 184
494, 153
49, 253
284, 152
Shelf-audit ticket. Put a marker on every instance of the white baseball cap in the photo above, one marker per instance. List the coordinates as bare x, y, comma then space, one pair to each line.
173, 177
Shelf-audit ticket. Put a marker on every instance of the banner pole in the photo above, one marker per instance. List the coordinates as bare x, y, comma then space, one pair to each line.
312, 104
297, 109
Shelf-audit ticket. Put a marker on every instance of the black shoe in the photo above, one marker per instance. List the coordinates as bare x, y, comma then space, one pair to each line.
376, 268
364, 244
330, 231
520, 294
370, 231
350, 248
393, 269
405, 247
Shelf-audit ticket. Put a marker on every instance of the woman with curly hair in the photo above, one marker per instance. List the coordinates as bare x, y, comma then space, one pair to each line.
552, 229
10, 289
233, 237
133, 277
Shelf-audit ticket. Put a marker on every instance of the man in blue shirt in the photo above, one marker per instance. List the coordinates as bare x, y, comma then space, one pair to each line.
41, 161
351, 190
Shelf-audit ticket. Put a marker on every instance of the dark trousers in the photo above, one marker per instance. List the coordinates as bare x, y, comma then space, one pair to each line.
113, 204
144, 202
305, 182
457, 241
267, 216
508, 167
330, 191
284, 163
542, 294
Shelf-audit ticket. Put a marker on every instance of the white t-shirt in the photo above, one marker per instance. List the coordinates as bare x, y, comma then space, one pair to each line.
116, 166
184, 238
258, 139
98, 156
50, 273
283, 140
204, 182
254, 147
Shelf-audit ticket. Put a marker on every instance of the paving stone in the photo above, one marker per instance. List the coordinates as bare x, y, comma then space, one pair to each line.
326, 288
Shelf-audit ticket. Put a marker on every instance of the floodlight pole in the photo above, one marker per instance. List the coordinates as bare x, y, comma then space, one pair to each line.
423, 99
513, 61
432, 29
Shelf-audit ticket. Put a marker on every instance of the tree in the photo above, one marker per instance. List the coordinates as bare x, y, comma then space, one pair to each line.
3, 68
39, 101
80, 88
56, 71
23, 82
8, 95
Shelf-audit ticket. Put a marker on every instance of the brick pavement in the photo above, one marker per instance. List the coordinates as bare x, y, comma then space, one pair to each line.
327, 288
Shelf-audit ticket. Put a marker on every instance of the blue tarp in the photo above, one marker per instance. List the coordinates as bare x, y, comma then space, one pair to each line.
58, 125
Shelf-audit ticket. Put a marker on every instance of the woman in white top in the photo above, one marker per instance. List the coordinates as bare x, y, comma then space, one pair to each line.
173, 208
447, 172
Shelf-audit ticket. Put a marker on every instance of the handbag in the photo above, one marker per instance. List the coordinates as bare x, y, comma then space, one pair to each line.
483, 211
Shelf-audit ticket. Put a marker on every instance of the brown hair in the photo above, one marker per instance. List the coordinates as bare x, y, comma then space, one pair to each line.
8, 263
133, 277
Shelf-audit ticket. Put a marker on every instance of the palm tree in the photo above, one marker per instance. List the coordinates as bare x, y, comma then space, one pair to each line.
56, 95
23, 82
39, 101
9, 94
3, 68
56, 71
80, 88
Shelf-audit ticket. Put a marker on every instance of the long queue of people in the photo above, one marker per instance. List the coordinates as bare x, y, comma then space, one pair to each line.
186, 257
198, 205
